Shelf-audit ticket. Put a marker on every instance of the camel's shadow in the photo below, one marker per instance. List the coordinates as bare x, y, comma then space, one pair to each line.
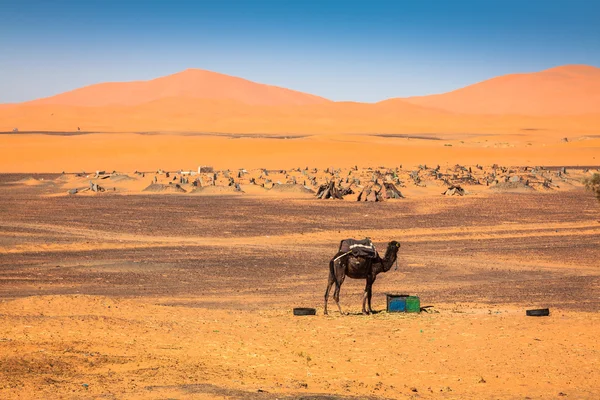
359, 313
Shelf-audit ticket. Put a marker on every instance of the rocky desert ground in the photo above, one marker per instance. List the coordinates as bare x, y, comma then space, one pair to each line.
155, 236
140, 294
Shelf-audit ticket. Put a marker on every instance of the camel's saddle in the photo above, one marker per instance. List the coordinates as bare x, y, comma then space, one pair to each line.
359, 248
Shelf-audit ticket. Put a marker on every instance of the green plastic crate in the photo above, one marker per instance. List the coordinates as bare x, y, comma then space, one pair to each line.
413, 304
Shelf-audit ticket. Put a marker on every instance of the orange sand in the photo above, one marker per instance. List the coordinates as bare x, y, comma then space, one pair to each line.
129, 152
561, 101
227, 116
191, 83
335, 133
566, 90
139, 350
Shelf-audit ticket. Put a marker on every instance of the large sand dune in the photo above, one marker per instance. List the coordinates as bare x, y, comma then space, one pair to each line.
566, 90
225, 116
191, 83
562, 100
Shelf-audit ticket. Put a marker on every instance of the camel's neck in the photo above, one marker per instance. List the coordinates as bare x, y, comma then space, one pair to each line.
390, 258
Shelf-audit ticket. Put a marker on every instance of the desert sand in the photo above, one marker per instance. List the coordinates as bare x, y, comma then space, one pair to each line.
130, 295
126, 273
190, 84
565, 90
130, 152
559, 101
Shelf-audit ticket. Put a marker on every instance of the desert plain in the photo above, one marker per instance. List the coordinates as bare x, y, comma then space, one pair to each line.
182, 286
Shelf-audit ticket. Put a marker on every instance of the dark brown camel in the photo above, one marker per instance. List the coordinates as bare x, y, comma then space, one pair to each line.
342, 265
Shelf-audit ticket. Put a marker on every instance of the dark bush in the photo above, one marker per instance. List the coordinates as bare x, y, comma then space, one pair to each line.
593, 184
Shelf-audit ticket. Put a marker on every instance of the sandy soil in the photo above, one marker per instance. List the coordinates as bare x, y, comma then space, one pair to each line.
184, 296
37, 153
568, 89
563, 100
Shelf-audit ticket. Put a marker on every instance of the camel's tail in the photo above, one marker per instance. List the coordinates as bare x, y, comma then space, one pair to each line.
332, 262
332, 271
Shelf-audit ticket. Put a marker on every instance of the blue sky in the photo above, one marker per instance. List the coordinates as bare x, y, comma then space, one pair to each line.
339, 49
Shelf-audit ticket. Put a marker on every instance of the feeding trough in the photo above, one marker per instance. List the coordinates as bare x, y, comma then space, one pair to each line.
403, 303
542, 312
304, 311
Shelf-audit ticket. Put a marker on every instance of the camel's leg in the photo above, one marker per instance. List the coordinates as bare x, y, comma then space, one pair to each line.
364, 311
336, 293
330, 283
369, 295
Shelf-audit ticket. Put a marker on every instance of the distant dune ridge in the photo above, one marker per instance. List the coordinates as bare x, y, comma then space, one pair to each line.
566, 90
191, 84
562, 99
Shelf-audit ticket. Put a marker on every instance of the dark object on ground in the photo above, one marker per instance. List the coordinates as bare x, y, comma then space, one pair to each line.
392, 192
73, 191
593, 184
370, 194
542, 312
403, 303
304, 311
455, 190
94, 187
347, 191
345, 264
329, 191
396, 302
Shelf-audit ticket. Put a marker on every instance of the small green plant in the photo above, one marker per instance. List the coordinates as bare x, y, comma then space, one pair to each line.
592, 184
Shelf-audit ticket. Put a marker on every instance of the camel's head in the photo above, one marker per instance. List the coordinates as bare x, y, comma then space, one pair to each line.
394, 245
391, 255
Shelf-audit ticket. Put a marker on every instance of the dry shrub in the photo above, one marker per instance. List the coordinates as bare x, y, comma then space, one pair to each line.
593, 184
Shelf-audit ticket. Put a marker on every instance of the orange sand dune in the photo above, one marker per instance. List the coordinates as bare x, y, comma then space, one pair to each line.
566, 90
191, 83
129, 152
561, 101
227, 116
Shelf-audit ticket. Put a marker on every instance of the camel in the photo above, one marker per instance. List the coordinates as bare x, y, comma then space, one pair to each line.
345, 264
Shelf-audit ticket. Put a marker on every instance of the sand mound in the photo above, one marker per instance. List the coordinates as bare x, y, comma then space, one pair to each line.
160, 188
511, 187
291, 188
30, 181
62, 178
121, 178
216, 190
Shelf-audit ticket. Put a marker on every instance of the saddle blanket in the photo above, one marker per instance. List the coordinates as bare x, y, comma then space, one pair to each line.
359, 248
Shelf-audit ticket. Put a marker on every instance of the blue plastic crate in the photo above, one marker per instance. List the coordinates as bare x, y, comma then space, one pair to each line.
396, 302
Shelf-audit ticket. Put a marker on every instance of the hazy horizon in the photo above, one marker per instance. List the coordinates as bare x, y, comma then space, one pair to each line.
352, 51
